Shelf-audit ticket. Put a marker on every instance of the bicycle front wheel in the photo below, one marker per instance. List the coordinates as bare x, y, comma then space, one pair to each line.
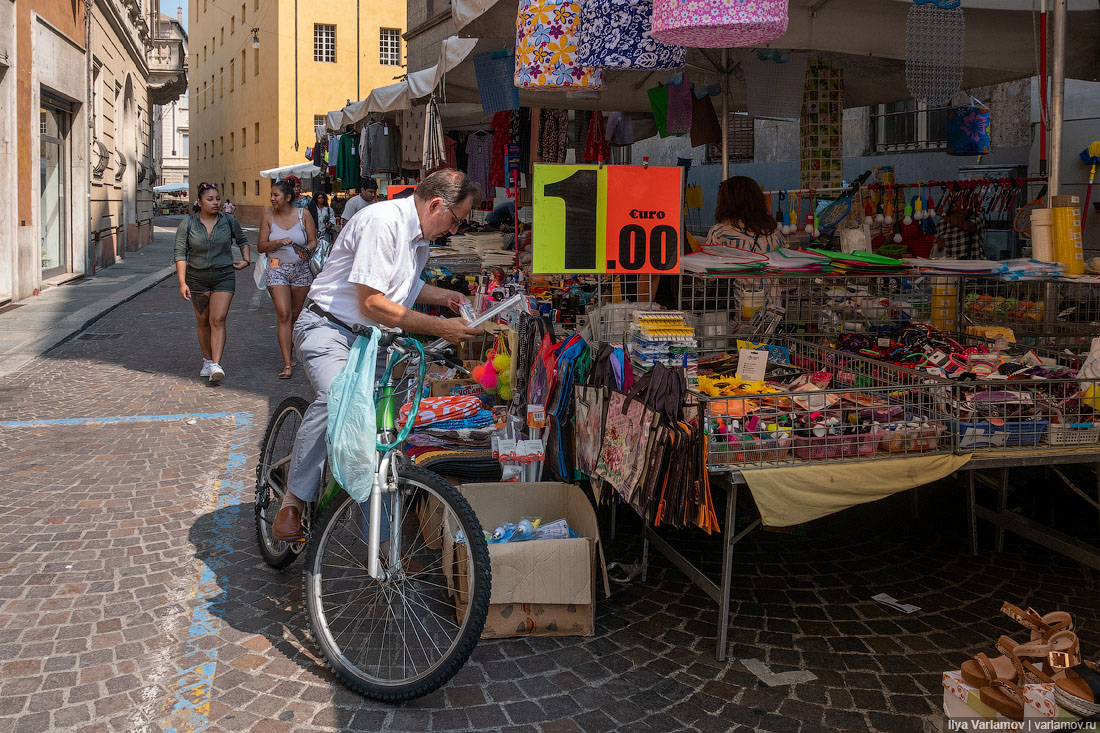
402, 637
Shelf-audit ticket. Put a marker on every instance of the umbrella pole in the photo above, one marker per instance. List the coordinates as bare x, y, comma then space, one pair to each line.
1057, 95
726, 113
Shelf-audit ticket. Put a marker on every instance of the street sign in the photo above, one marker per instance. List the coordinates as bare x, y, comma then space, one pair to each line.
610, 219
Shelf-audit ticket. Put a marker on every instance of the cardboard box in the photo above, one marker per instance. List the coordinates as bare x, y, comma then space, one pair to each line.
539, 587
448, 387
961, 701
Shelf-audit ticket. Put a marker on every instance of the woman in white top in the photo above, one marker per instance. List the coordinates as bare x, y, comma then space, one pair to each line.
288, 239
743, 219
326, 219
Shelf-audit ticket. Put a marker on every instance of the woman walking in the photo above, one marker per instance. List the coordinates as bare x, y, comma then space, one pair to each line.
207, 272
288, 239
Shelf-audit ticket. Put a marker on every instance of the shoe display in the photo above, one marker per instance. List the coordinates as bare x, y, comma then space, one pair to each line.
217, 374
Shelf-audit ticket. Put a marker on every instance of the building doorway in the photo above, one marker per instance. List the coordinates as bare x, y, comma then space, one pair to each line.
55, 119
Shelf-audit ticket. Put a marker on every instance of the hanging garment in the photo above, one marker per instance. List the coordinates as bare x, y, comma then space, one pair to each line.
347, 161
332, 154
596, 147
434, 152
552, 137
658, 101
546, 47
502, 135
479, 149
495, 82
620, 128
705, 127
615, 34
382, 147
412, 137
679, 105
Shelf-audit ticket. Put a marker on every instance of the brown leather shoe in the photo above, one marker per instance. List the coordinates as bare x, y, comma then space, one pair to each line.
288, 524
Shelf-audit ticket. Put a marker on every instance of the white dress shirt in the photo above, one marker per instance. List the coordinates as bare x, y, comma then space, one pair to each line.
382, 248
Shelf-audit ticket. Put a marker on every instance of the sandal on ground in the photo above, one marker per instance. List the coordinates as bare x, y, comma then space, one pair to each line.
1041, 627
981, 671
1007, 698
286, 373
1078, 690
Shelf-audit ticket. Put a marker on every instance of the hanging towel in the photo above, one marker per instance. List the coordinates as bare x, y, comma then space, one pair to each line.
658, 100
435, 151
705, 127
596, 147
412, 137
494, 81
679, 106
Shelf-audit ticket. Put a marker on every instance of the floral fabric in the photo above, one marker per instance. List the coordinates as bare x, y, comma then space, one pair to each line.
968, 131
552, 136
718, 23
546, 47
615, 34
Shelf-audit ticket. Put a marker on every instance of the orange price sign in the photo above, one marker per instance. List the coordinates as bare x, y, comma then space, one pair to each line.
644, 206
393, 190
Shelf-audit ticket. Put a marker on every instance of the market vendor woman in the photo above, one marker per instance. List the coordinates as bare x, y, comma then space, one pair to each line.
207, 272
742, 218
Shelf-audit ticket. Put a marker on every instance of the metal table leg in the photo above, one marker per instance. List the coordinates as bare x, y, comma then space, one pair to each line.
727, 573
1002, 507
971, 516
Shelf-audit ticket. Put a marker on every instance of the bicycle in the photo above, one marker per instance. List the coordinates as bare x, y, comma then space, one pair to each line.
394, 620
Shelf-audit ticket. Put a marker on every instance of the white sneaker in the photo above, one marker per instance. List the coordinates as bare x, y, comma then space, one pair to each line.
217, 374
206, 363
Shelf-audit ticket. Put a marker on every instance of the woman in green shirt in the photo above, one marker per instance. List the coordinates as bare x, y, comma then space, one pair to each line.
207, 272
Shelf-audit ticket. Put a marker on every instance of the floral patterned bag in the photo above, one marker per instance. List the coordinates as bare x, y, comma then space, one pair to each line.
625, 444
968, 129
546, 47
588, 421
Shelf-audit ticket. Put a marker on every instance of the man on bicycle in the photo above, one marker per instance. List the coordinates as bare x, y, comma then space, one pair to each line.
371, 279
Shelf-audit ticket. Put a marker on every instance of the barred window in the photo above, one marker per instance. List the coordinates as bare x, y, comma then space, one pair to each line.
318, 120
389, 41
324, 43
908, 125
741, 140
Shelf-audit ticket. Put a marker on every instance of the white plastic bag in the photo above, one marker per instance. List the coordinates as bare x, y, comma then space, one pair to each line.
352, 447
259, 272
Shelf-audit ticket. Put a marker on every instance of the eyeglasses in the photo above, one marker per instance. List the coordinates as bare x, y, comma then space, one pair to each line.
458, 222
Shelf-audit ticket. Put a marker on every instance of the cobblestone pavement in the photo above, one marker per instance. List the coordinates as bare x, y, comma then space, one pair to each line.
132, 595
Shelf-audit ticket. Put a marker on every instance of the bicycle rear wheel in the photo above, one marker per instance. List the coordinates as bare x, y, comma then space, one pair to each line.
272, 471
399, 638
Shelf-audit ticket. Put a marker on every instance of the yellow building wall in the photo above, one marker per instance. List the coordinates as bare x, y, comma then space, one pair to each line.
223, 105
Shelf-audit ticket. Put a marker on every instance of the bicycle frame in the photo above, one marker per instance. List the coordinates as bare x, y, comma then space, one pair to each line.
385, 477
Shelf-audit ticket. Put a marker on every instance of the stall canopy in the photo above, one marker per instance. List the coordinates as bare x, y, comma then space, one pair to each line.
865, 38
171, 188
302, 170
453, 51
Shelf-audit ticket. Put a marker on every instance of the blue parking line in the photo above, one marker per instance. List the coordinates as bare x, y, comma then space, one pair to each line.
189, 703
118, 419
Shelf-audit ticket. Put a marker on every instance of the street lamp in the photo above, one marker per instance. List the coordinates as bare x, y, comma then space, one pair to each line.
255, 38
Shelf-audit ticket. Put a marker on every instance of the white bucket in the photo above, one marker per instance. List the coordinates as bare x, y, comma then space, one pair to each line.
1042, 235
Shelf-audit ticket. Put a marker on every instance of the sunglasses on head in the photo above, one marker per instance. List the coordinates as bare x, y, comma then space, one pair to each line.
206, 187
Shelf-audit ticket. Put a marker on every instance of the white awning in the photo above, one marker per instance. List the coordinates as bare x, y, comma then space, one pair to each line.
302, 170
171, 188
393, 97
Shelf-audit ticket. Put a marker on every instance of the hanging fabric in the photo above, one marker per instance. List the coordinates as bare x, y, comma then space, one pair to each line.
620, 128
821, 128
596, 148
968, 129
615, 34
552, 135
773, 86
679, 104
658, 101
435, 150
502, 135
479, 157
412, 137
347, 161
494, 81
935, 43
718, 23
546, 47
705, 128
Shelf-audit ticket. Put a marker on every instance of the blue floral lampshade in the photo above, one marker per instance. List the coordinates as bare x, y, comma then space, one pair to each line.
614, 34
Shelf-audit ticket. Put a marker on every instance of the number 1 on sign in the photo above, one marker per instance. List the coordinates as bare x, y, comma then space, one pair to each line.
569, 218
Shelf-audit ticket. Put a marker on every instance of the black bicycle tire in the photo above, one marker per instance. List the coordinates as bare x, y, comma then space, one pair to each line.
286, 558
478, 608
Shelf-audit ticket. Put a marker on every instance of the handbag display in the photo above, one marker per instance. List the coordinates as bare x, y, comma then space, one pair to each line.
590, 409
968, 129
625, 444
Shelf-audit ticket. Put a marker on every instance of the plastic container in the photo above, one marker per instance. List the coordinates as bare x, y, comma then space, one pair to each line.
994, 435
1063, 434
1042, 235
862, 444
1066, 231
810, 448
905, 438
768, 450
751, 301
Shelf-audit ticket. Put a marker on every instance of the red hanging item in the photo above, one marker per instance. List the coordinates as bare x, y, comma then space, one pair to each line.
596, 147
502, 123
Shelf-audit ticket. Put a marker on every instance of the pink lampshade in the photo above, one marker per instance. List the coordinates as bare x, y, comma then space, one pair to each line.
718, 23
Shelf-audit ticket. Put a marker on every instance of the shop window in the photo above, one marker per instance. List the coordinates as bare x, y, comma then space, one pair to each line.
389, 43
908, 125
324, 43
741, 140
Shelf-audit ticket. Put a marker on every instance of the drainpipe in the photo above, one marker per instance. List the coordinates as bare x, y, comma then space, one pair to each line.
90, 250
297, 102
358, 93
